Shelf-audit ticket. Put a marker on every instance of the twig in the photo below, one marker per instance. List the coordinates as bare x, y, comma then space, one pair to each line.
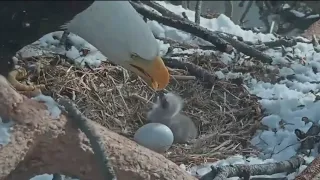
186, 78
278, 43
124, 102
315, 43
241, 3
188, 4
173, 42
245, 11
194, 70
272, 27
162, 10
198, 12
268, 178
64, 38
142, 99
185, 4
189, 27
308, 139
57, 177
228, 8
263, 14
184, 15
82, 123
221, 173
281, 42
246, 49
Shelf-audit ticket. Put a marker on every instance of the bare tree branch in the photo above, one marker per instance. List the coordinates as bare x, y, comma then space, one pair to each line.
184, 26
198, 12
224, 172
176, 44
228, 8
185, 4
246, 49
162, 10
57, 176
194, 70
188, 4
241, 21
218, 39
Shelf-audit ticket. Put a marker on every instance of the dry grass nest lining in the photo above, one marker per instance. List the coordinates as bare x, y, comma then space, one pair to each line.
115, 98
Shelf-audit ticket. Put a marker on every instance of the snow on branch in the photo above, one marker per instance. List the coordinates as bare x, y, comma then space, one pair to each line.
245, 171
222, 41
186, 26
162, 10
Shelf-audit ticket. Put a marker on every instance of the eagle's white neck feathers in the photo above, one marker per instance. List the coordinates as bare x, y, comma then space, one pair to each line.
116, 29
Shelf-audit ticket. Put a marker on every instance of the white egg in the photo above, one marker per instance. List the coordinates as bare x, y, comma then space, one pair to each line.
155, 136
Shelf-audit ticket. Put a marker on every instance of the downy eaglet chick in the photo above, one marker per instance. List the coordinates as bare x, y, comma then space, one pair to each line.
167, 110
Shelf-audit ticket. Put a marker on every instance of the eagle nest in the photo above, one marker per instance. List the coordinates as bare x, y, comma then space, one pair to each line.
226, 115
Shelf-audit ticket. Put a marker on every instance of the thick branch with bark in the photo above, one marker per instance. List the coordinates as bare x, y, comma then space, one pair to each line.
162, 10
246, 49
198, 12
241, 21
40, 144
222, 41
228, 8
311, 171
246, 171
186, 26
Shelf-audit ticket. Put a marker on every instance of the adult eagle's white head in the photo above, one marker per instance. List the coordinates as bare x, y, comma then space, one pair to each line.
119, 32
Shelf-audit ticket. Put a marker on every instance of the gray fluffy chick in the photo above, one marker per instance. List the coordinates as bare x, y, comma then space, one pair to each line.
166, 110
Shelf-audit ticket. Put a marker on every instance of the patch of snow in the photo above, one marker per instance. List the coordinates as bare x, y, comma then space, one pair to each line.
222, 23
177, 51
220, 74
156, 29
5, 132
226, 58
286, 6
163, 47
49, 177
297, 13
313, 16
288, 100
43, 177
51, 104
48, 44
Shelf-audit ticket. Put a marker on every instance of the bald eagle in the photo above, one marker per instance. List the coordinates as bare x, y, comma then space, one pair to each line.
113, 27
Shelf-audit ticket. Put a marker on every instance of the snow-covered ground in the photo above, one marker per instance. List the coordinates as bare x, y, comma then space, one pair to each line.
282, 101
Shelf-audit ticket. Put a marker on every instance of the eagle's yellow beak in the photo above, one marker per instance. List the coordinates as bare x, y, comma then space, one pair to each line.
154, 72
